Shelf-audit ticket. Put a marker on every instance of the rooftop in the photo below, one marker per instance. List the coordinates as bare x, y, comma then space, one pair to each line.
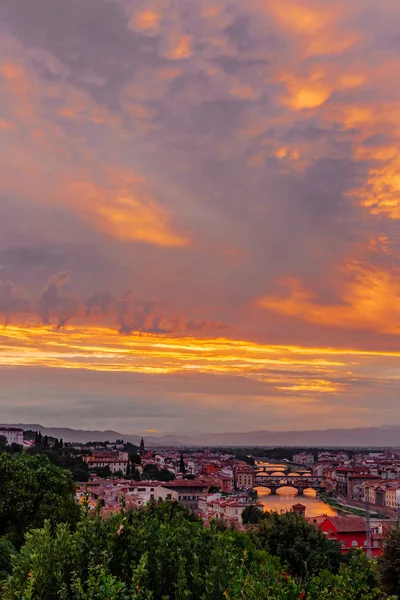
347, 524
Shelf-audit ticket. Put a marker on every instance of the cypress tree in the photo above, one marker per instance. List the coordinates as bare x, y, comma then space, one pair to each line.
182, 467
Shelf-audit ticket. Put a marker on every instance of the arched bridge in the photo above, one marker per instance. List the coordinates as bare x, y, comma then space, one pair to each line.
272, 469
274, 482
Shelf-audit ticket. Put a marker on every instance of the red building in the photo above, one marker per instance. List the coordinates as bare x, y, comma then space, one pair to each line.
351, 533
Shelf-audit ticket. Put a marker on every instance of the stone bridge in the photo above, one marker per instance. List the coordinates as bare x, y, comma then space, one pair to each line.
274, 482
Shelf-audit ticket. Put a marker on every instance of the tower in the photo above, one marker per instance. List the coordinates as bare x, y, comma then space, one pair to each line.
142, 450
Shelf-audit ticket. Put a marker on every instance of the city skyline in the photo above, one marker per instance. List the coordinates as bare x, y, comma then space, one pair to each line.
199, 214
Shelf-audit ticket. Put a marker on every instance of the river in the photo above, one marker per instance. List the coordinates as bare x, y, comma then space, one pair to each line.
285, 497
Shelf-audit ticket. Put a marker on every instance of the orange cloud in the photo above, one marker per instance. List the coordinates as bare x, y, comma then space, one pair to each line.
290, 372
125, 215
182, 49
6, 125
102, 349
310, 96
301, 18
369, 300
11, 71
146, 20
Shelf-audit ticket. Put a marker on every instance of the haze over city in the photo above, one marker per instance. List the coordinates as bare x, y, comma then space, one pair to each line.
199, 214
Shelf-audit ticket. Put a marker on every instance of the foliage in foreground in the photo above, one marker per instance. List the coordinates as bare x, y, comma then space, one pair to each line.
302, 548
163, 553
389, 563
32, 490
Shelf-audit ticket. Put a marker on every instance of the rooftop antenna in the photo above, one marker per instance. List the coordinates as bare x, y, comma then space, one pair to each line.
368, 523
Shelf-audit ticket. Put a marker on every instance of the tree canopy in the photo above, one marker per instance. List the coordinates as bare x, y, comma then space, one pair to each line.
32, 490
301, 546
163, 552
389, 563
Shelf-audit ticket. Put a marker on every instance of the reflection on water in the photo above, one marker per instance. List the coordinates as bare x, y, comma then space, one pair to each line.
286, 497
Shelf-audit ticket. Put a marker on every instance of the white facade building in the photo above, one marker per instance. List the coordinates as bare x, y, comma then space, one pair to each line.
13, 435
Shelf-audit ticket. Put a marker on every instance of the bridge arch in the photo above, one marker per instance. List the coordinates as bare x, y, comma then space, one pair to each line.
286, 487
275, 482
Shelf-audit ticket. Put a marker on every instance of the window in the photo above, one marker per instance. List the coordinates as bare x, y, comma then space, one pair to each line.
354, 543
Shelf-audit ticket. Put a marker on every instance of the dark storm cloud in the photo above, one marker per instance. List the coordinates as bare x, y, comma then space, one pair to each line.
52, 302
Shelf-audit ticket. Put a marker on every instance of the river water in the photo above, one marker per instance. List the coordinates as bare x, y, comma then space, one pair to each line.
285, 497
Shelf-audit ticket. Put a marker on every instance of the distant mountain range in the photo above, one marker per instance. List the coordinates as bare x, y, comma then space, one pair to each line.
363, 436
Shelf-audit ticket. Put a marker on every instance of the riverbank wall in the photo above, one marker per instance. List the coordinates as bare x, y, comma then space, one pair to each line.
341, 502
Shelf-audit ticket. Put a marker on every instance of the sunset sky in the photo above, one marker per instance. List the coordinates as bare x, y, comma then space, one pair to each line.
200, 214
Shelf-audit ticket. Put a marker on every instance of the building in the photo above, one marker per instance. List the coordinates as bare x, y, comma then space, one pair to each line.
116, 465
189, 491
342, 477
392, 494
148, 491
356, 485
14, 435
303, 458
111, 494
229, 509
225, 483
384, 493
244, 476
299, 509
351, 533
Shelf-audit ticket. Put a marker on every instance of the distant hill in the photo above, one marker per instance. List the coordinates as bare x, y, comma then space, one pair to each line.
363, 436
78, 435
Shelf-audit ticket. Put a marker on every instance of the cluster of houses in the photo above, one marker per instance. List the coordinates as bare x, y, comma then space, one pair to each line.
213, 484
216, 486
193, 494
372, 478
219, 469
351, 532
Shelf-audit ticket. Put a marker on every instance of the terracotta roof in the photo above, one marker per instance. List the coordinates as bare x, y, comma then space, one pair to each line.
185, 483
347, 524
318, 519
363, 476
351, 470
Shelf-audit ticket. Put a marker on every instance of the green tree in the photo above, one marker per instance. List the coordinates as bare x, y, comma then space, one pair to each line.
153, 472
301, 546
252, 515
135, 459
182, 467
389, 563
104, 472
355, 581
7, 551
3, 442
32, 490
163, 552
